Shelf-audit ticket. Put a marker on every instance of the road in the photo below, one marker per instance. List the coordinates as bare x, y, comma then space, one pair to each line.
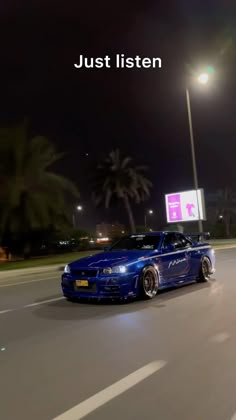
172, 358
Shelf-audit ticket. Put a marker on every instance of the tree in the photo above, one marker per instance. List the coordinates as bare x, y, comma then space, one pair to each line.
118, 178
32, 195
224, 204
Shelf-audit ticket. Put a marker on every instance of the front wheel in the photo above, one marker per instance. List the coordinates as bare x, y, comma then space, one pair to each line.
205, 270
149, 283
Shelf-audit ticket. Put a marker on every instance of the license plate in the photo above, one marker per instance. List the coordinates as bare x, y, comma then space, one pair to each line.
83, 283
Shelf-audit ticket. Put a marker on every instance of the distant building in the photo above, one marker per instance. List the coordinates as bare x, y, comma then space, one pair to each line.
107, 230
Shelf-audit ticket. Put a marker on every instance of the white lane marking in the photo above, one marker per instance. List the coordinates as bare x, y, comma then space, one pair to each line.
32, 304
220, 338
42, 302
5, 311
86, 407
30, 281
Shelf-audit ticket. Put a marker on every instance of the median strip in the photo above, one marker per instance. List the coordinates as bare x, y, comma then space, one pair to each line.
220, 247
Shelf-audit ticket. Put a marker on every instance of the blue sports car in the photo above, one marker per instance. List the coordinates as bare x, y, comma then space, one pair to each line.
139, 265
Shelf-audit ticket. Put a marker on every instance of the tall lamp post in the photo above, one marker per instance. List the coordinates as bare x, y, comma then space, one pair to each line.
145, 217
78, 208
203, 79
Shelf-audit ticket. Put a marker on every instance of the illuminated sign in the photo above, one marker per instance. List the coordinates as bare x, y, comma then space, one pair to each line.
185, 206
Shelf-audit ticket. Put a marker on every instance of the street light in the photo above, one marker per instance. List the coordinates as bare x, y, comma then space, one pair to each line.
203, 79
145, 217
78, 208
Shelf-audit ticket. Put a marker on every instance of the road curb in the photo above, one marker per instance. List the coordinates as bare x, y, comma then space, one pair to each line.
31, 271
219, 248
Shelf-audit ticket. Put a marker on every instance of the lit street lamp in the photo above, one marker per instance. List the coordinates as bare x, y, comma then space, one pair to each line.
149, 212
203, 79
78, 208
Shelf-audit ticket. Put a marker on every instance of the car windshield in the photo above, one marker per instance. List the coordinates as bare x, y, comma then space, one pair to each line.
137, 242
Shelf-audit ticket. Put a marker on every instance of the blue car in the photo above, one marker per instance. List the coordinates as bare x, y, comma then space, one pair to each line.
139, 265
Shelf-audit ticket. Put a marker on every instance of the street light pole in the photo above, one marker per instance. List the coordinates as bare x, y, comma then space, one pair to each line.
78, 208
145, 217
195, 177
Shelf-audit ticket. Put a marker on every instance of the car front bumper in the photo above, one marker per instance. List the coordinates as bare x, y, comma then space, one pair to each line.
123, 286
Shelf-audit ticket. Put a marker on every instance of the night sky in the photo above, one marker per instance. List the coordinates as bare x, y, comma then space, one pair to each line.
143, 112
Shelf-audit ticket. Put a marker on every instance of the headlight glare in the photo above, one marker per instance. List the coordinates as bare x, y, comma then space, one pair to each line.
67, 269
118, 269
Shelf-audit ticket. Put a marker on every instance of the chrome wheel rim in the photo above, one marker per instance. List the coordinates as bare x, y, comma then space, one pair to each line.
205, 269
150, 283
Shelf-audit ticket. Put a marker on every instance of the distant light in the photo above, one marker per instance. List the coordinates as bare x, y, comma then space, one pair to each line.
100, 234
87, 154
150, 212
210, 69
3, 348
150, 230
220, 216
79, 208
123, 232
203, 78
102, 240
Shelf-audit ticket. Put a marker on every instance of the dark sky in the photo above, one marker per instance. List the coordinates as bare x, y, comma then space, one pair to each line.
143, 112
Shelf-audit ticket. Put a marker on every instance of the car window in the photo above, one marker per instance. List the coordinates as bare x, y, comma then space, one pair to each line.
182, 241
170, 239
137, 242
177, 239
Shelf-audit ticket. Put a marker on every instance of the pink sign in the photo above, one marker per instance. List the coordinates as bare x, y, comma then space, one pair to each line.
185, 206
174, 208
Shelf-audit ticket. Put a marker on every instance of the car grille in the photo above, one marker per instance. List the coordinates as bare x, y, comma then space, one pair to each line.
84, 273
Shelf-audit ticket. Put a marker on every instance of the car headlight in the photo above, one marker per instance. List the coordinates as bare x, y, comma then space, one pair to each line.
118, 269
67, 269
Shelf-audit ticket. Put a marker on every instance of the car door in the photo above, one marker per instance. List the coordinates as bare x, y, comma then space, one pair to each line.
175, 258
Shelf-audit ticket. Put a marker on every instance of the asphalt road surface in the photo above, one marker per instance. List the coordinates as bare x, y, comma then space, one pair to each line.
172, 358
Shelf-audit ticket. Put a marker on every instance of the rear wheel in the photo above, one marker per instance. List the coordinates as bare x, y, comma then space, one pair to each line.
205, 270
149, 283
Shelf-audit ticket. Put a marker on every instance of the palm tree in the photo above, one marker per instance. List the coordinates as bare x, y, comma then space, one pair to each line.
32, 195
224, 203
118, 178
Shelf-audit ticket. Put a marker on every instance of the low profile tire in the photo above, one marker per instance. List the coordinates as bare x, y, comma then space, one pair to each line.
149, 283
205, 270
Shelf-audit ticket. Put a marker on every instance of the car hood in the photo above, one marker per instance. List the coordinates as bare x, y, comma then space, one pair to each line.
110, 259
